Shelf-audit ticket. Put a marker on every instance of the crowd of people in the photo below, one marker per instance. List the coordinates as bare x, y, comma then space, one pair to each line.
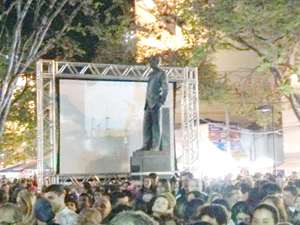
182, 200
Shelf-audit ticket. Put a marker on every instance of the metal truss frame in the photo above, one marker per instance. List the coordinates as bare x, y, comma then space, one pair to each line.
48, 70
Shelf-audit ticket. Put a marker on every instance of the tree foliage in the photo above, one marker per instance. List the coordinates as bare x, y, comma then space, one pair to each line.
270, 28
57, 29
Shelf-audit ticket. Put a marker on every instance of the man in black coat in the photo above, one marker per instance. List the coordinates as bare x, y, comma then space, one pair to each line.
156, 95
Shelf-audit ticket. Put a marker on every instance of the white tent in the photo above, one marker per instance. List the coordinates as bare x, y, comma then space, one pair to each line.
212, 161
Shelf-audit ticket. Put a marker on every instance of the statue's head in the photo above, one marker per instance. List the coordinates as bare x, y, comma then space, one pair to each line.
155, 61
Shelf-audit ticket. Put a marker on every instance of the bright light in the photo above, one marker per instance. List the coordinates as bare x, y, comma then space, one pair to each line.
244, 163
264, 162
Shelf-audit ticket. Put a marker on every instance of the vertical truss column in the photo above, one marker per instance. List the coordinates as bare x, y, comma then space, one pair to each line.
190, 119
46, 118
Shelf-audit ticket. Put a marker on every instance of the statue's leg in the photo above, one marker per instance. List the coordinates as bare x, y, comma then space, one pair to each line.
156, 129
147, 130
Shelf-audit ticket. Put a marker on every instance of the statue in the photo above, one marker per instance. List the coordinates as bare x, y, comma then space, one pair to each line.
156, 95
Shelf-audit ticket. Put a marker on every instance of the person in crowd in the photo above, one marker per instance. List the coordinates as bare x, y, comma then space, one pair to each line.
155, 178
192, 210
72, 204
103, 205
10, 214
245, 189
146, 196
194, 185
278, 203
44, 212
295, 175
97, 194
195, 195
84, 201
25, 203
163, 186
89, 216
174, 183
133, 218
214, 214
241, 212
88, 189
265, 214
232, 194
182, 193
120, 202
297, 184
160, 209
226, 206
55, 194
2, 196
269, 189
297, 209
6, 189
172, 203
289, 196
184, 184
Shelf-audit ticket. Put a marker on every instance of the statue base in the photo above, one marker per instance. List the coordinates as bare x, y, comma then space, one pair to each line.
150, 161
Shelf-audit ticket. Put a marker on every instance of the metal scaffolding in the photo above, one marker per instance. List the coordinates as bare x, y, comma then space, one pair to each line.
48, 70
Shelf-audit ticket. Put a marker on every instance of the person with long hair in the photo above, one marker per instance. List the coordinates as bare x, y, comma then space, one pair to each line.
279, 204
163, 186
146, 196
25, 202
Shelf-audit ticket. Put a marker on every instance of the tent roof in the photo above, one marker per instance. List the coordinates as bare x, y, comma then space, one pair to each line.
291, 165
11, 169
33, 164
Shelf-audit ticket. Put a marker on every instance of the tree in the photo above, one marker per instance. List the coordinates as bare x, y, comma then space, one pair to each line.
62, 30
270, 28
28, 30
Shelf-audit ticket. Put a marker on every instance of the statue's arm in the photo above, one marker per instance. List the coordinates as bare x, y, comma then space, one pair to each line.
164, 87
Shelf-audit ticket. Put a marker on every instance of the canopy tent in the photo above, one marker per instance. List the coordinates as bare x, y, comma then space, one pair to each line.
11, 169
33, 164
26, 166
212, 161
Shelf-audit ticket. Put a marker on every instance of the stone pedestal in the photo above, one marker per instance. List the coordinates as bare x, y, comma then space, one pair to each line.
150, 161
160, 161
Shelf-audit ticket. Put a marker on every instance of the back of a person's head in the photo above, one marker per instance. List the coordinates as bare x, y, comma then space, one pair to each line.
56, 188
93, 216
12, 209
228, 189
269, 189
201, 223
292, 189
153, 176
245, 187
188, 174
133, 218
43, 211
222, 202
191, 207
115, 196
218, 212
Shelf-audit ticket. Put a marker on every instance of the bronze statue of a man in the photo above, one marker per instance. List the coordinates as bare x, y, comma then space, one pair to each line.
156, 95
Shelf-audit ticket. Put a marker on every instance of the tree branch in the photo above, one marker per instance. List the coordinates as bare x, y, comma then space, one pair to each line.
242, 41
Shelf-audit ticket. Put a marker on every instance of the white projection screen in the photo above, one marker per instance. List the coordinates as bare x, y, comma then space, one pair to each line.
100, 124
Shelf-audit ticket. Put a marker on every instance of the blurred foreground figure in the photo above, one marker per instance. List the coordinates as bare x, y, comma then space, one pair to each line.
10, 214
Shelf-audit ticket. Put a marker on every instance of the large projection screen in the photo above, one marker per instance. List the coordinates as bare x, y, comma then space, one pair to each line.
100, 124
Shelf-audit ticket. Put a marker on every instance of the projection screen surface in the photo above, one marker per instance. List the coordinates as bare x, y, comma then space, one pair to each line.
101, 124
